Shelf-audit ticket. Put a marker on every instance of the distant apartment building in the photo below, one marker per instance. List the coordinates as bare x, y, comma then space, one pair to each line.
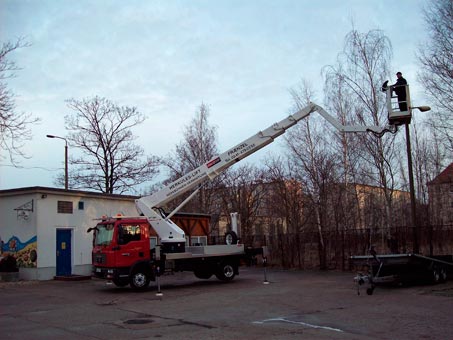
283, 208
440, 191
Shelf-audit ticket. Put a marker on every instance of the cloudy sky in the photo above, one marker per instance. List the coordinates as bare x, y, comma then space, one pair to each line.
240, 57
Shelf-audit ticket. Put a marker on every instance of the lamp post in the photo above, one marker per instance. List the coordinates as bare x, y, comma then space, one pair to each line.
65, 159
416, 231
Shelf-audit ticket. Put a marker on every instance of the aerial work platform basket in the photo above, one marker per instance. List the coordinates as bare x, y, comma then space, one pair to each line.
399, 109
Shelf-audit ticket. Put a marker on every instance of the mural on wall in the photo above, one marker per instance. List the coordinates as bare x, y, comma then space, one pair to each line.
24, 252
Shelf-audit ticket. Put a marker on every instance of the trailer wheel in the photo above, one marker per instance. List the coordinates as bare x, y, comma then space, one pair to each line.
225, 272
435, 275
231, 238
139, 279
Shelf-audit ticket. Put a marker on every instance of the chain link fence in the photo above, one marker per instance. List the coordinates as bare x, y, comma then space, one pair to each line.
307, 250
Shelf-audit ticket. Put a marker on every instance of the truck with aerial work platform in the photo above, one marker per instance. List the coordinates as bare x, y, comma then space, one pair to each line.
123, 251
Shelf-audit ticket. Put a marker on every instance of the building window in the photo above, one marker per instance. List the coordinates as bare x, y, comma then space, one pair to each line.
64, 207
81, 205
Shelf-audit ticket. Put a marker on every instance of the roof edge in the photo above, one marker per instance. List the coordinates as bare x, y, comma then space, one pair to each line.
49, 190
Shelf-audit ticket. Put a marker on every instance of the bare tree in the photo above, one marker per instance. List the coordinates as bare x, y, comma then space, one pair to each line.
14, 126
244, 192
110, 162
422, 150
436, 58
198, 146
288, 214
361, 68
438, 154
309, 149
285, 197
429, 157
338, 101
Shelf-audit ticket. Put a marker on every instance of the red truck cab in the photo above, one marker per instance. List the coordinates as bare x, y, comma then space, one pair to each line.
120, 247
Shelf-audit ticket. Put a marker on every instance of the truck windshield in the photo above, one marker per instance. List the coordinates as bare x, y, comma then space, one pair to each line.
104, 234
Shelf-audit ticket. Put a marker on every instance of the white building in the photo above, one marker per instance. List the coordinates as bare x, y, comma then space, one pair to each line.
46, 228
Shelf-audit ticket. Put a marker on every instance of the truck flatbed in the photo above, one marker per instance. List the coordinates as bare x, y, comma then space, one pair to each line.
207, 251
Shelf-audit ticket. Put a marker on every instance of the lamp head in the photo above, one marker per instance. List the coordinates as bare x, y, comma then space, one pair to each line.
424, 108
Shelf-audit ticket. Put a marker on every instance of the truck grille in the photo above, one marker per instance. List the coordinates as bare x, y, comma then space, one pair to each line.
99, 259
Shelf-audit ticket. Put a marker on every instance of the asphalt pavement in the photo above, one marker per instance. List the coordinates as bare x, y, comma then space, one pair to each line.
290, 305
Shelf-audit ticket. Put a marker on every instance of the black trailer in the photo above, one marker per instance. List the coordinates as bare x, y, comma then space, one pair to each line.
401, 269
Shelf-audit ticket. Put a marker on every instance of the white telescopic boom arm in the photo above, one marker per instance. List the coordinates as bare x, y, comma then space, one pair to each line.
217, 165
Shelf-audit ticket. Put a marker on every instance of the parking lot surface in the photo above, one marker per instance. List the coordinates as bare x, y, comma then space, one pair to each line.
294, 305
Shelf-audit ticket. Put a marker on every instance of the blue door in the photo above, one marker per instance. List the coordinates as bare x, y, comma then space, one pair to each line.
64, 252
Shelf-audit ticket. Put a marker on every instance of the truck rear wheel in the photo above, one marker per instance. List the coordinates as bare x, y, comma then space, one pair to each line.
225, 272
139, 280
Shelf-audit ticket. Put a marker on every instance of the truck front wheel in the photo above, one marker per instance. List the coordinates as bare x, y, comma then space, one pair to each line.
139, 280
225, 272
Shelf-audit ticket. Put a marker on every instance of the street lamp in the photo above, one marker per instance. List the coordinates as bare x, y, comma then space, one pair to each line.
65, 159
416, 231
